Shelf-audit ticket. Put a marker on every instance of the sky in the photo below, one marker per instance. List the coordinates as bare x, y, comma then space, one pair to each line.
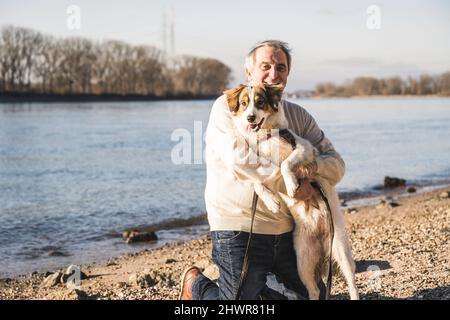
330, 41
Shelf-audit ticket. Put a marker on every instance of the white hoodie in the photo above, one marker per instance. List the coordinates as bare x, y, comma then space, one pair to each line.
231, 170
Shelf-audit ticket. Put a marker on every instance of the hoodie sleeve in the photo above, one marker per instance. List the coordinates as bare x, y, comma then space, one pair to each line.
330, 164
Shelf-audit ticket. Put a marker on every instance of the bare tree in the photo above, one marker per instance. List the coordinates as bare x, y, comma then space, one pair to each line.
426, 85
366, 86
76, 69
3, 64
11, 57
214, 76
444, 84
199, 76
392, 86
48, 61
31, 61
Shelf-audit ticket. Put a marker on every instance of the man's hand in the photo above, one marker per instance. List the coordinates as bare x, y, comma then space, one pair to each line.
306, 172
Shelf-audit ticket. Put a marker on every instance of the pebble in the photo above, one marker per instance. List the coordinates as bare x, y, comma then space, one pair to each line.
444, 195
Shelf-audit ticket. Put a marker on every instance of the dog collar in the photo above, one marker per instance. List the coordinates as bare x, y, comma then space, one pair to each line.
288, 136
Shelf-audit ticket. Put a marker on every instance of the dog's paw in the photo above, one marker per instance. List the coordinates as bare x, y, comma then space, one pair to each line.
291, 186
272, 204
271, 201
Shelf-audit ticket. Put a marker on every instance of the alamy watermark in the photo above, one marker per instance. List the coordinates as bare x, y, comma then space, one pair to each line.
190, 148
74, 279
73, 21
373, 21
374, 281
182, 151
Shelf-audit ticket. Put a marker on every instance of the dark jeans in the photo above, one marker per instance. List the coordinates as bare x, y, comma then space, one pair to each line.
267, 253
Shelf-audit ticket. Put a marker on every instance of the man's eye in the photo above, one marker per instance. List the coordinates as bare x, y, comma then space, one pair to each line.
265, 67
281, 68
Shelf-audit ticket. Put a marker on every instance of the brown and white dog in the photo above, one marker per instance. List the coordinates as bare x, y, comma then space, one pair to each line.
257, 115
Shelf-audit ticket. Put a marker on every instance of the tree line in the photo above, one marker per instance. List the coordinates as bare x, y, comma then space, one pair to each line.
366, 86
32, 62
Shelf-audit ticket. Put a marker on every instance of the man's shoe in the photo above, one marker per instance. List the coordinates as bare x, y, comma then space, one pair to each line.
187, 280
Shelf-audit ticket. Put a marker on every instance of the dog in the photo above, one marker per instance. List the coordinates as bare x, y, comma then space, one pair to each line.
257, 116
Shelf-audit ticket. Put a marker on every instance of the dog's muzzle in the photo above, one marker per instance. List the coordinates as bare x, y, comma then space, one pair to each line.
255, 126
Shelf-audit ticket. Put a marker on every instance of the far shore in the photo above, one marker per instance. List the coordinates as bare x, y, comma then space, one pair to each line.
394, 96
50, 98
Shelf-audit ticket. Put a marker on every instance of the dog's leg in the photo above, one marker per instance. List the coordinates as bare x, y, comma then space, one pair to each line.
288, 167
307, 262
342, 254
303, 154
268, 197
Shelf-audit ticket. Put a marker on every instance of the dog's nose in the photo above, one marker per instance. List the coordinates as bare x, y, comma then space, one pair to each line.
251, 118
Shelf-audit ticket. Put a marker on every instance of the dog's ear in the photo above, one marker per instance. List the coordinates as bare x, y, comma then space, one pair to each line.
274, 93
233, 97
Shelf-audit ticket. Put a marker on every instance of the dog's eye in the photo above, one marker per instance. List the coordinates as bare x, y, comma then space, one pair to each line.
260, 103
244, 103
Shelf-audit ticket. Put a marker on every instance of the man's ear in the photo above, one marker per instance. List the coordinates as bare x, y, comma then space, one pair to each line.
233, 97
274, 92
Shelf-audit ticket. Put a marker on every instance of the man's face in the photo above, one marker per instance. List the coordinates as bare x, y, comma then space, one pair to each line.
270, 66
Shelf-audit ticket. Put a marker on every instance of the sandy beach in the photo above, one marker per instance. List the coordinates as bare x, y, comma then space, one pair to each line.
401, 248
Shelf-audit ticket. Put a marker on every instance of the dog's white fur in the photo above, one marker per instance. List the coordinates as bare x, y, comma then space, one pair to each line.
310, 236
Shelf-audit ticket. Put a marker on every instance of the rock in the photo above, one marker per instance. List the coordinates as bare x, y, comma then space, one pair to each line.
411, 190
393, 204
56, 253
126, 234
76, 294
380, 206
170, 260
392, 182
142, 280
444, 195
350, 211
152, 278
51, 280
139, 236
387, 204
111, 263
73, 294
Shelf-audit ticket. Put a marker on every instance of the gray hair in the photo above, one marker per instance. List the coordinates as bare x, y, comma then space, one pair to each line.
277, 44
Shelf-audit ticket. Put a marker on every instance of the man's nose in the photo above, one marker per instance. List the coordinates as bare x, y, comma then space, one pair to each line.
251, 118
273, 74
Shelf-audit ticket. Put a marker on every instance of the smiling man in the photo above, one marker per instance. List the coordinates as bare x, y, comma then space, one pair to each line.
268, 64
229, 192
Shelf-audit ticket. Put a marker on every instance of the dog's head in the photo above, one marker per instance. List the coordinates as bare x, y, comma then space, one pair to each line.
255, 107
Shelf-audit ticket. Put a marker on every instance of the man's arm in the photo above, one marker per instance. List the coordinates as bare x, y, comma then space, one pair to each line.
329, 163
224, 142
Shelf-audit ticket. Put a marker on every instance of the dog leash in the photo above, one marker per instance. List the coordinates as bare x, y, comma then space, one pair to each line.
289, 137
318, 187
245, 264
